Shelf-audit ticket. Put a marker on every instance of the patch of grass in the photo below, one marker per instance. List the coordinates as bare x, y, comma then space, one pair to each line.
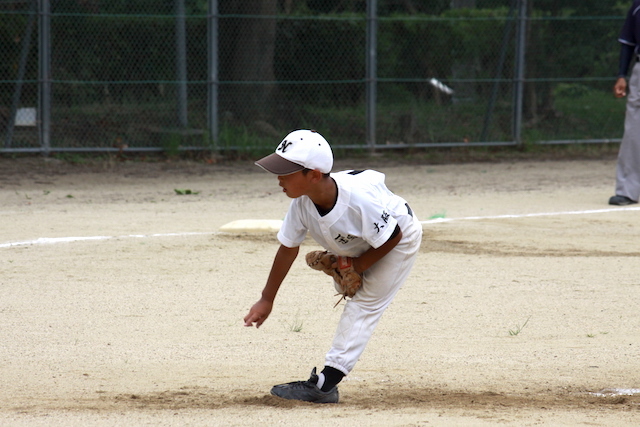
516, 331
585, 113
240, 141
297, 327
171, 145
593, 335
73, 158
185, 192
296, 324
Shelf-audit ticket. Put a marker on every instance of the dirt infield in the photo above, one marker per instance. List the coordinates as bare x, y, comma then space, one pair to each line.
122, 303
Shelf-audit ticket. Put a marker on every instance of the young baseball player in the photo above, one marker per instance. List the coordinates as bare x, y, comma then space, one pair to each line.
351, 214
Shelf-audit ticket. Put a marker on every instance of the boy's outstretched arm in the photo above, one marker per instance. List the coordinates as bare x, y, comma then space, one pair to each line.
281, 265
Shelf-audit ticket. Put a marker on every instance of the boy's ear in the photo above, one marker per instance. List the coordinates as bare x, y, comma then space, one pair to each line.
316, 175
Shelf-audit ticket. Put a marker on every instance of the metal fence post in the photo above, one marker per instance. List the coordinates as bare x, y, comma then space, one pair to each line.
371, 78
519, 72
181, 64
212, 80
44, 79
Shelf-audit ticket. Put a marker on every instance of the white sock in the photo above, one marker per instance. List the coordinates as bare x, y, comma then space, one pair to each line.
320, 380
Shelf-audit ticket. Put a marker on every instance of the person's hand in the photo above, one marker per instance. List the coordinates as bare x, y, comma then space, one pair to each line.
620, 88
258, 313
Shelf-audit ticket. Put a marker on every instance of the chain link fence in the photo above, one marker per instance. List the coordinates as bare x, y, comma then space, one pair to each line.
236, 76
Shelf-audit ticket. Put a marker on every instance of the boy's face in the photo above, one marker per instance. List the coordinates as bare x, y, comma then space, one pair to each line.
296, 184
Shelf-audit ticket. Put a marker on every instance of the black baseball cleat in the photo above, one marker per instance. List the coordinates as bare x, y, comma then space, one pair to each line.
307, 391
621, 201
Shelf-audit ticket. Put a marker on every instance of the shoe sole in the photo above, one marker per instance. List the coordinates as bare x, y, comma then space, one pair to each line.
321, 399
621, 201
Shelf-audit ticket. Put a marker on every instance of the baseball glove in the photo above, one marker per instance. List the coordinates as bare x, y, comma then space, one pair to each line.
348, 281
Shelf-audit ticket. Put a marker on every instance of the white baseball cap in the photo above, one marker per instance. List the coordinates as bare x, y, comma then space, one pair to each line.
301, 149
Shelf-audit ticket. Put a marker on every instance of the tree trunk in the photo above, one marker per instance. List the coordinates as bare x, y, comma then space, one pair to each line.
252, 57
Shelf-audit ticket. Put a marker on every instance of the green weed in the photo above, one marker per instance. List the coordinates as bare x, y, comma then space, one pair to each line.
296, 324
185, 192
514, 332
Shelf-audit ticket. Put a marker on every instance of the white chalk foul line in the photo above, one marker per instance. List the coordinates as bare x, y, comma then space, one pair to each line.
54, 240
587, 212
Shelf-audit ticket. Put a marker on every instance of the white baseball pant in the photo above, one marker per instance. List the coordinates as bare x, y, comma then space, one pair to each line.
362, 313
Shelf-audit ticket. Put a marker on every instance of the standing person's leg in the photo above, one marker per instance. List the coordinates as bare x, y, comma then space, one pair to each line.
362, 313
628, 165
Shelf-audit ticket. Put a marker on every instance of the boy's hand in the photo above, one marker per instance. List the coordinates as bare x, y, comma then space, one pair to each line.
258, 313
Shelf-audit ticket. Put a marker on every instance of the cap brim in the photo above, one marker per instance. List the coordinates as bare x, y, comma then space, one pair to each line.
278, 165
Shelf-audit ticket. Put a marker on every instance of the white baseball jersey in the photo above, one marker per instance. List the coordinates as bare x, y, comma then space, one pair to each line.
365, 215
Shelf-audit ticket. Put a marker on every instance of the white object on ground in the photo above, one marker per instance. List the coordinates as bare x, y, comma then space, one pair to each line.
253, 225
